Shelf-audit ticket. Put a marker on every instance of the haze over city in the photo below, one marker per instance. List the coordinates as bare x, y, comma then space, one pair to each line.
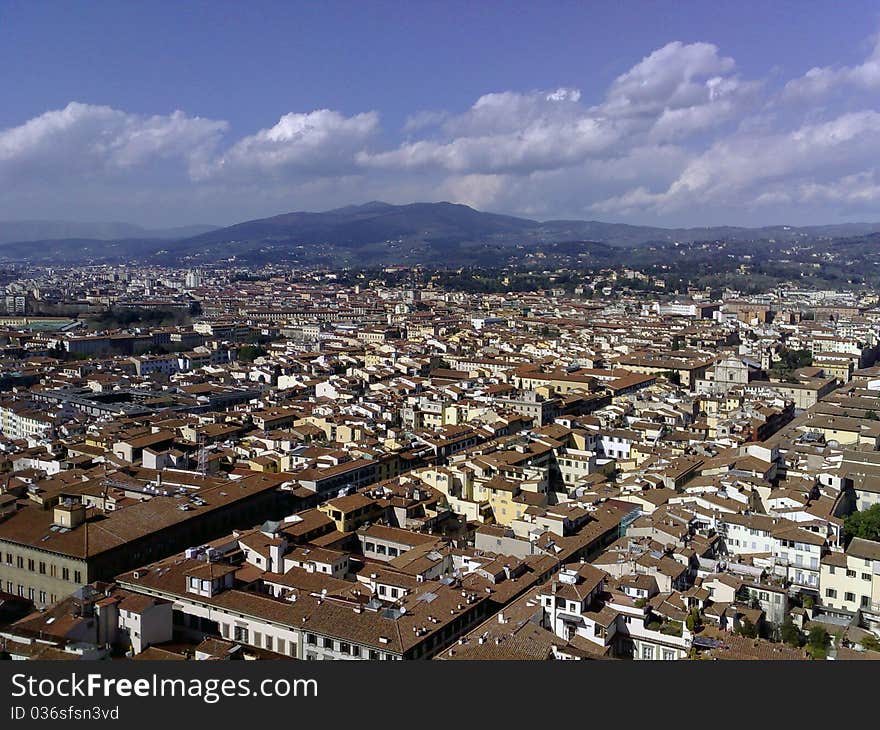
699, 114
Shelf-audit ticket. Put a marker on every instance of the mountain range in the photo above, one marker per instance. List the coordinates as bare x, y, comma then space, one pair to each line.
376, 233
23, 231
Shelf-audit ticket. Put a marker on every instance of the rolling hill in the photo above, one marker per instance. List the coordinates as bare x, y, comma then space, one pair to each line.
381, 234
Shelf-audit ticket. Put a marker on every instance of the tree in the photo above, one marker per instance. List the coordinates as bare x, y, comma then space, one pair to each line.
872, 416
673, 376
789, 361
818, 641
694, 621
864, 524
790, 634
870, 643
747, 628
249, 353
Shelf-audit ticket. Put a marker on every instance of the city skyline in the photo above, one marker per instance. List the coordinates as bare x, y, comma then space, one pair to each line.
690, 116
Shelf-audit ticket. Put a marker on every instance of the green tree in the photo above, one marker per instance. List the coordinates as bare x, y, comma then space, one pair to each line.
871, 415
747, 628
789, 361
870, 643
249, 353
818, 641
790, 634
864, 524
694, 621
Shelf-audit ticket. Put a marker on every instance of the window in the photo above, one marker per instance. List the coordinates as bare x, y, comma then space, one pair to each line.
65, 574
830, 593
866, 576
43, 597
866, 601
849, 596
668, 655
328, 643
647, 651
77, 577
241, 634
311, 640
850, 573
42, 568
30, 565
19, 562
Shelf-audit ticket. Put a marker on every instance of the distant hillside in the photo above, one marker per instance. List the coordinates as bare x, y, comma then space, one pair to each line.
359, 225
75, 251
19, 231
378, 233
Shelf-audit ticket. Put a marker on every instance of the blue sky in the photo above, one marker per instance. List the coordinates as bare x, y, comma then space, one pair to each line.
687, 113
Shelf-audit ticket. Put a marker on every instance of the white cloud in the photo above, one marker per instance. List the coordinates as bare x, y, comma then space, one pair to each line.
424, 119
749, 169
94, 141
322, 142
823, 80
676, 91
679, 138
672, 77
477, 191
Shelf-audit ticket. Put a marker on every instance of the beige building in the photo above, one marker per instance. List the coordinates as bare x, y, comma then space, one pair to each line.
850, 581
